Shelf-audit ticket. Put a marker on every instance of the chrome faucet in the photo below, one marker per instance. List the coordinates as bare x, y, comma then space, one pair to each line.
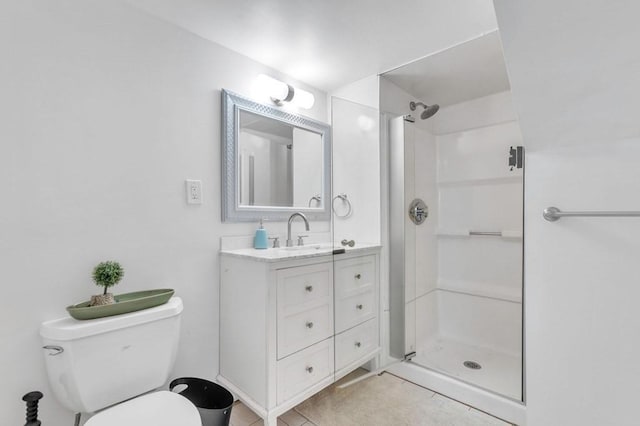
306, 224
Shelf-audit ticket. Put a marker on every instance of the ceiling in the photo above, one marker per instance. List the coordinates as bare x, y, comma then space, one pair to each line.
467, 71
329, 43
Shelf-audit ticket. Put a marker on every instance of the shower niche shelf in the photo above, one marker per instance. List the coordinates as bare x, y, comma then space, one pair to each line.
507, 234
482, 181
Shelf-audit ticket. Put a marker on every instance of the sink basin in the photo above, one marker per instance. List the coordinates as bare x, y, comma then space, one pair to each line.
309, 249
302, 248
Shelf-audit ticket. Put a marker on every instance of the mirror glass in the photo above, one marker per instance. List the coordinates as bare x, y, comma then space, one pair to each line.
274, 162
279, 164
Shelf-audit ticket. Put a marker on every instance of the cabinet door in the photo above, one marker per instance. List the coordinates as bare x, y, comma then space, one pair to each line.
304, 369
355, 288
354, 275
356, 343
304, 306
355, 309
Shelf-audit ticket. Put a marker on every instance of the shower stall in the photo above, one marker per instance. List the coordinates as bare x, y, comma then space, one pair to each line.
456, 179
461, 265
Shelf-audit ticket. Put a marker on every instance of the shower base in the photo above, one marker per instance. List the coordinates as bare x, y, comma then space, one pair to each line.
503, 407
499, 372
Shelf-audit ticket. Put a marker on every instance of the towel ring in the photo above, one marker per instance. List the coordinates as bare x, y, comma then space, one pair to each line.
344, 199
315, 198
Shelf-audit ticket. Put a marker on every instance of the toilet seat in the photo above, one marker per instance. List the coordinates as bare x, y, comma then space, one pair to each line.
161, 408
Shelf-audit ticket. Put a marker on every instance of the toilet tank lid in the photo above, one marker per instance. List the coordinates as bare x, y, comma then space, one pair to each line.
67, 328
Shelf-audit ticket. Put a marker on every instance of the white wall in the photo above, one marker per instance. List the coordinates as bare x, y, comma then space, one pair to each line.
475, 113
365, 91
573, 67
105, 111
575, 75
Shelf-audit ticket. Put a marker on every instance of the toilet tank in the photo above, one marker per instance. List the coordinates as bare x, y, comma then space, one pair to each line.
108, 360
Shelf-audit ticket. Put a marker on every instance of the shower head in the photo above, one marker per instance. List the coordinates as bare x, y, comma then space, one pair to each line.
429, 110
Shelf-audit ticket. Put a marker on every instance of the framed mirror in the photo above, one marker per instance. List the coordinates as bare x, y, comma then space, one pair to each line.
274, 162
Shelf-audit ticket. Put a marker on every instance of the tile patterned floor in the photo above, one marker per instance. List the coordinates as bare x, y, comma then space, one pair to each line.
384, 400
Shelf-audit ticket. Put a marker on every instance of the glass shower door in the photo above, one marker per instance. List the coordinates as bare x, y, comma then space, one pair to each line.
356, 224
461, 268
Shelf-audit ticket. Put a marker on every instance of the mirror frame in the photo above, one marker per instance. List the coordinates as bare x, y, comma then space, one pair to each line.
232, 211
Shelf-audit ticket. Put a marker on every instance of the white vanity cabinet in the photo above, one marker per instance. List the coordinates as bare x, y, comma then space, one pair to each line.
291, 324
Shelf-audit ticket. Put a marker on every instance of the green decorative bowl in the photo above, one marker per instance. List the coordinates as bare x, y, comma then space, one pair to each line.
125, 303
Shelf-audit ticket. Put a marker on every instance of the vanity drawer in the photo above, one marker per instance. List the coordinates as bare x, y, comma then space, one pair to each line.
304, 369
301, 329
303, 286
354, 309
356, 343
304, 306
353, 275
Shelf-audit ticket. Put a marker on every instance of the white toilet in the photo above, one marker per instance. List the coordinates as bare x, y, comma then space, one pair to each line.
100, 363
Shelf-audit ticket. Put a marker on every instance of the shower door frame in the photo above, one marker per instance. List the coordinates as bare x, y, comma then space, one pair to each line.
397, 304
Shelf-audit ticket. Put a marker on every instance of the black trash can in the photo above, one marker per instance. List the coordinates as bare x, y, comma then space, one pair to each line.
212, 400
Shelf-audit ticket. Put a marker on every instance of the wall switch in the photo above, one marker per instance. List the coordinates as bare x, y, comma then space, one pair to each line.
194, 191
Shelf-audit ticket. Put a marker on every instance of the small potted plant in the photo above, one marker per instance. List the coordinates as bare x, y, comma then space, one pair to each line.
106, 274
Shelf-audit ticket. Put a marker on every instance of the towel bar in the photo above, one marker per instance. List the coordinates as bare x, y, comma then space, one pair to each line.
553, 213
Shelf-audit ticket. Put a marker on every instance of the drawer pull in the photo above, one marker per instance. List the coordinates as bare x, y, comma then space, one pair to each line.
309, 324
309, 288
358, 344
358, 276
309, 369
359, 306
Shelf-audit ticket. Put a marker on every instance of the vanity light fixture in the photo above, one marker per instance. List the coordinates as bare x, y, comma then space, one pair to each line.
281, 92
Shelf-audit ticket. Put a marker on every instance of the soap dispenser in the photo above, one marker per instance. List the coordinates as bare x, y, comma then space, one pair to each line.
261, 240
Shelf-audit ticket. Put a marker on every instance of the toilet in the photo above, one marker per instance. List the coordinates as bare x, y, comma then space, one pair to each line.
113, 367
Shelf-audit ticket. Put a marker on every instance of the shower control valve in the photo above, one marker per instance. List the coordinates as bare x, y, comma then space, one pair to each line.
418, 211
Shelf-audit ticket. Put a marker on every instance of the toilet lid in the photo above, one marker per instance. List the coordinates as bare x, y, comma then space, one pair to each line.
161, 408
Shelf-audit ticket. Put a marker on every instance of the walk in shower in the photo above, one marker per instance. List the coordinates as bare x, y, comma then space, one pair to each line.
456, 225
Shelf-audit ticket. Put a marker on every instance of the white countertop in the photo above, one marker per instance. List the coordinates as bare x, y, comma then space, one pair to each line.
297, 252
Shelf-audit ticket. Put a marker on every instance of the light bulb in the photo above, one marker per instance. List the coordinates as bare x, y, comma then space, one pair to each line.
273, 88
280, 92
302, 98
